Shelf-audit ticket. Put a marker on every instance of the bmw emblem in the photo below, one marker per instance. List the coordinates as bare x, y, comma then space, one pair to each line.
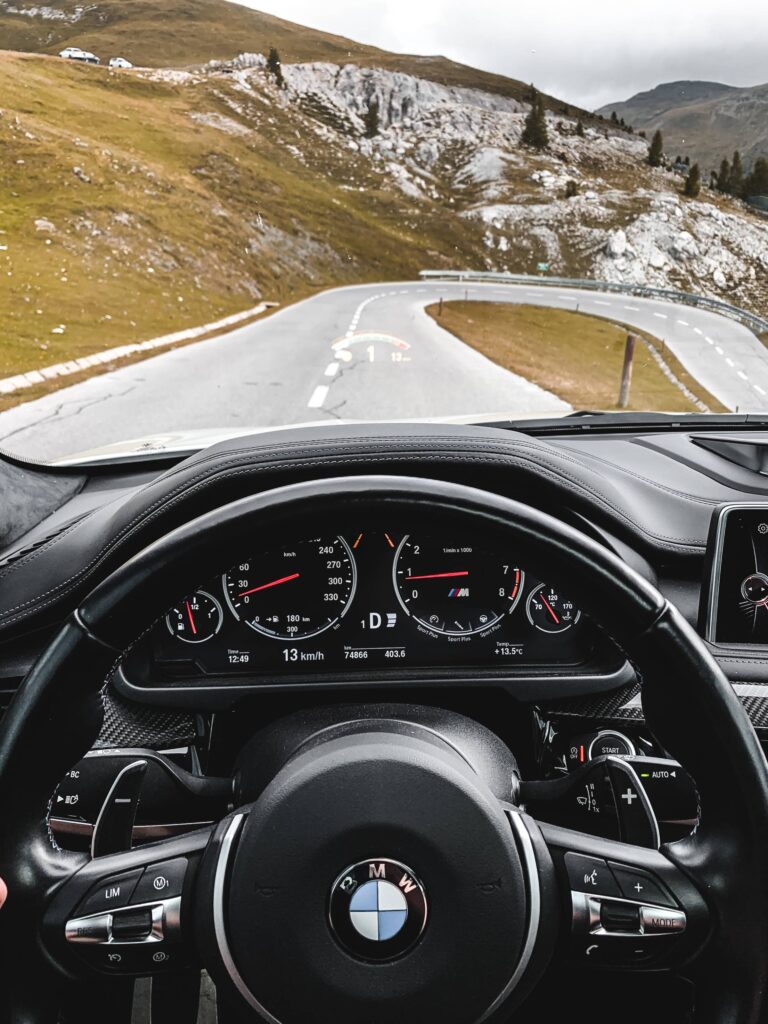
377, 909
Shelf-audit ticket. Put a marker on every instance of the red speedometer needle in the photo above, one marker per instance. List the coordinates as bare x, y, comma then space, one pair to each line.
438, 575
191, 620
274, 583
550, 609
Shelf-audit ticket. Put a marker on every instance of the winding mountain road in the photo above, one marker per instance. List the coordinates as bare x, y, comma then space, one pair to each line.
361, 352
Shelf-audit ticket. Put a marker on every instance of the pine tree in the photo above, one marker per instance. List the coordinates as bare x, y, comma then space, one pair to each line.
614, 117
535, 132
724, 177
275, 67
687, 161
678, 159
736, 177
656, 152
693, 182
571, 188
371, 119
580, 129
757, 182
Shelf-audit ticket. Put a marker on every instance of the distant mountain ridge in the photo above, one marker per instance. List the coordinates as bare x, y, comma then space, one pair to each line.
703, 120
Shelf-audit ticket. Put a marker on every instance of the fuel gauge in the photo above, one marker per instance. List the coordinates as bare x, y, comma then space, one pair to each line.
195, 619
550, 611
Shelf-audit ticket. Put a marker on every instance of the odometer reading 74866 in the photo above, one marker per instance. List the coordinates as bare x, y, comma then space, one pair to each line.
296, 591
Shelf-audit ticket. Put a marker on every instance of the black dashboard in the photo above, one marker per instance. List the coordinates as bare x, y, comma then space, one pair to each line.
328, 611
373, 600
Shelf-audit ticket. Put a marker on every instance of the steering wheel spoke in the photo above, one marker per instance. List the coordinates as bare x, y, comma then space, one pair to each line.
128, 913
630, 907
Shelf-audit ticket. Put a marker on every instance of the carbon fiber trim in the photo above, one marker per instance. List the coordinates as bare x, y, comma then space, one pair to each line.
127, 724
622, 706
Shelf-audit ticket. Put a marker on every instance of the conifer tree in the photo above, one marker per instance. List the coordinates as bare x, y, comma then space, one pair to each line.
736, 177
656, 152
724, 177
580, 129
535, 132
693, 182
757, 181
371, 119
274, 67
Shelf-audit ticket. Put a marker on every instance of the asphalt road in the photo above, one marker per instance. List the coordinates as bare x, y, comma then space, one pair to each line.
364, 352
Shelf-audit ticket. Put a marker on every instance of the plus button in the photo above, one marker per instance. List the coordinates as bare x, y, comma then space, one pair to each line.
629, 796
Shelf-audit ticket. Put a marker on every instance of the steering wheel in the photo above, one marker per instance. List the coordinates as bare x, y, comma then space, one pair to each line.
378, 865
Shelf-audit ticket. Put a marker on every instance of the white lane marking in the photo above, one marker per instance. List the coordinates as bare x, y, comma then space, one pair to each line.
683, 323
599, 302
758, 389
331, 368
718, 350
709, 341
661, 316
698, 330
729, 361
633, 309
318, 396
742, 375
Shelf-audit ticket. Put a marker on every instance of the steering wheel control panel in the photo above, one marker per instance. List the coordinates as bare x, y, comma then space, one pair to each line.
737, 611
361, 601
622, 916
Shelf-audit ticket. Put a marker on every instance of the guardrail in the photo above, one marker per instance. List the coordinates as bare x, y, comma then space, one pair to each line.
756, 323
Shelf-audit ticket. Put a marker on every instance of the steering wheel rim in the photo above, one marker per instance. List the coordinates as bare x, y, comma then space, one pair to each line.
688, 703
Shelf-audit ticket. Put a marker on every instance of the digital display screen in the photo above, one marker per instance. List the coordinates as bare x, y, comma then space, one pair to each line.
367, 600
741, 578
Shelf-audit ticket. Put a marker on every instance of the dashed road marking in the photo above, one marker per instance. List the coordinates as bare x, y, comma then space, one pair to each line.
330, 370
318, 396
599, 302
718, 350
758, 389
661, 316
729, 361
741, 374
683, 323
633, 309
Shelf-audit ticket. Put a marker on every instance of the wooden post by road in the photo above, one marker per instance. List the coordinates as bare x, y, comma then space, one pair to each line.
626, 371
440, 307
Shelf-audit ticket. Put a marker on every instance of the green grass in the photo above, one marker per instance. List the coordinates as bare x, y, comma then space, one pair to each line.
575, 356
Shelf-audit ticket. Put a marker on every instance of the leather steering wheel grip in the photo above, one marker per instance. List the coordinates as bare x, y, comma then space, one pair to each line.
689, 704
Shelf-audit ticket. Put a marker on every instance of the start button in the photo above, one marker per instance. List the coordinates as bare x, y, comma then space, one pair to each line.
610, 742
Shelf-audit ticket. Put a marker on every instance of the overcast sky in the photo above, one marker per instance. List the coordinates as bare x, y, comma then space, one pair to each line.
589, 52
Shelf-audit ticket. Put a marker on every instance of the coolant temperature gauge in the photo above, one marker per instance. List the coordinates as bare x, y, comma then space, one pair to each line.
195, 619
550, 611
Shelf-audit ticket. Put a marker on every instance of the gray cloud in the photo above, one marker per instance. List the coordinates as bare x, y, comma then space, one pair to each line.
589, 53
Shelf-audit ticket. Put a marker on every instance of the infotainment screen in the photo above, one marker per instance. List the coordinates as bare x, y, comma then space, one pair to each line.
739, 593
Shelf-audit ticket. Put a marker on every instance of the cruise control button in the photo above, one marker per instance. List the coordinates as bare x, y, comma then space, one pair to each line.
640, 886
132, 925
590, 874
88, 929
656, 921
110, 892
161, 881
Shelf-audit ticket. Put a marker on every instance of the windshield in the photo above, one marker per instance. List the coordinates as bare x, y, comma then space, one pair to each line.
214, 220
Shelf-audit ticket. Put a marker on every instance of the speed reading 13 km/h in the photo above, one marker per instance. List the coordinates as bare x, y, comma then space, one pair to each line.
296, 591
455, 589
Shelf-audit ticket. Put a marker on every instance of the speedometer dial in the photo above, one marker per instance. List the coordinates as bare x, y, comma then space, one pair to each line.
455, 587
295, 591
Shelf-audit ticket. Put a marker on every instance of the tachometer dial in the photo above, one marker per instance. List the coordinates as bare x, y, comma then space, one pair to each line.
196, 619
296, 591
454, 587
550, 611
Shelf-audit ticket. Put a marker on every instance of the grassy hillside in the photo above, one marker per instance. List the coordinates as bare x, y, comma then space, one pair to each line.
131, 207
178, 33
705, 120
576, 356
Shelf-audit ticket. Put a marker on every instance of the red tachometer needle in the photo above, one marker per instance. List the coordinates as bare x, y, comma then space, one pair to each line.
274, 583
191, 620
438, 575
550, 609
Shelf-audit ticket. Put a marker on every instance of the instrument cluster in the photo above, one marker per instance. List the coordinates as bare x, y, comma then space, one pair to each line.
370, 600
